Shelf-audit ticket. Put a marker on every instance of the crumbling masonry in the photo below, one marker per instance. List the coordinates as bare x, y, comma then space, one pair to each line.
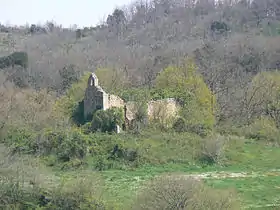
96, 98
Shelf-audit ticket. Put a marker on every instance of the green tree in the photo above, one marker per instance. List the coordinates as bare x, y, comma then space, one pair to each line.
69, 105
106, 120
17, 58
68, 76
187, 86
263, 97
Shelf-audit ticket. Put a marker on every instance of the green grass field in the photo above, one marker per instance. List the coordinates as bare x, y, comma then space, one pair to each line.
260, 187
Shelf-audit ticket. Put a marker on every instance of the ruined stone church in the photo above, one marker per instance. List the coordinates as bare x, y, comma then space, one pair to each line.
97, 99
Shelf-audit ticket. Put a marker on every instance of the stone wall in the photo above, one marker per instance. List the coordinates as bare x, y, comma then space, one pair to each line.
115, 101
163, 111
95, 97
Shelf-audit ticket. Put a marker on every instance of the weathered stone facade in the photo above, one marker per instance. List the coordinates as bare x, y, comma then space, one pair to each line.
163, 111
96, 98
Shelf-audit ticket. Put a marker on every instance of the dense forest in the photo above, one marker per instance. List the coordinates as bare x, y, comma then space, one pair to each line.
218, 58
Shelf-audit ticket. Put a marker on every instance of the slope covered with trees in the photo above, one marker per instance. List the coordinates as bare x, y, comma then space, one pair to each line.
218, 59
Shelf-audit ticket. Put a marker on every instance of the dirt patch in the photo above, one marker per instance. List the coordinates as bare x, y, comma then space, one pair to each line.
224, 175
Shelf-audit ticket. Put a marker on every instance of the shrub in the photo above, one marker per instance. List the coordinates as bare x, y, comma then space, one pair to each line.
69, 75
20, 140
78, 114
106, 120
14, 194
66, 144
141, 115
80, 194
263, 128
75, 145
69, 106
212, 149
180, 125
26, 108
171, 192
86, 128
71, 195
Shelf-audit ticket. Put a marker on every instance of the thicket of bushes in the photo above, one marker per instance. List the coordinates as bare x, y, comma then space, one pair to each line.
33, 122
18, 194
59, 130
164, 192
179, 192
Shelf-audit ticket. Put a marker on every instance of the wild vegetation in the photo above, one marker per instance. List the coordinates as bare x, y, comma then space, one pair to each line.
218, 59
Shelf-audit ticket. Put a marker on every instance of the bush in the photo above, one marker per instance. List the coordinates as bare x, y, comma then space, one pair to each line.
14, 194
78, 114
69, 75
264, 129
25, 108
80, 194
69, 106
20, 140
180, 125
65, 144
140, 117
171, 192
212, 150
106, 120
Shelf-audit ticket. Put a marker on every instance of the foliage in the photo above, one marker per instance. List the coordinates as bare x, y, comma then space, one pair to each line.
212, 150
78, 114
69, 75
264, 129
25, 108
64, 144
14, 196
67, 145
20, 139
135, 94
175, 192
263, 96
118, 17
184, 84
220, 27
106, 120
17, 58
81, 194
179, 125
69, 105
147, 41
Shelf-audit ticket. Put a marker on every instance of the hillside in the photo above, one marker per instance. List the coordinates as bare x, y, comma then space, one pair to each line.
218, 59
